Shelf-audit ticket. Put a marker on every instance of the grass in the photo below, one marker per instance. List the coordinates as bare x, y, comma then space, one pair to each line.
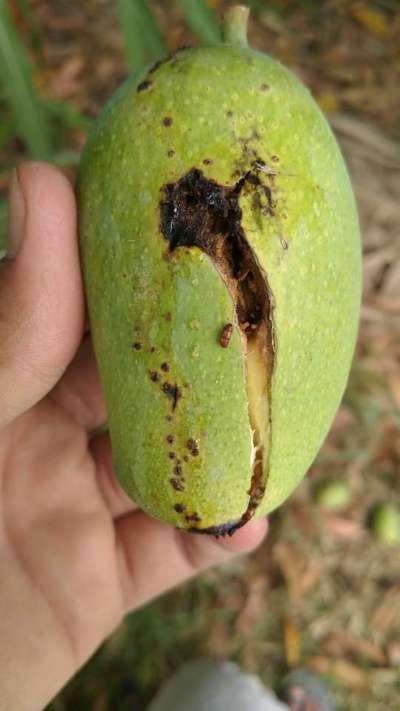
201, 19
17, 86
142, 38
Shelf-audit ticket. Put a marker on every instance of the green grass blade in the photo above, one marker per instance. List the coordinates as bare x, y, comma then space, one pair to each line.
15, 76
202, 20
143, 41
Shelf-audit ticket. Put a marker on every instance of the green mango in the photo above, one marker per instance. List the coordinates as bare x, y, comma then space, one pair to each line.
221, 256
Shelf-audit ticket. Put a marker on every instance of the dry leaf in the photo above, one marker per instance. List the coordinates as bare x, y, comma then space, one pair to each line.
344, 643
291, 635
346, 673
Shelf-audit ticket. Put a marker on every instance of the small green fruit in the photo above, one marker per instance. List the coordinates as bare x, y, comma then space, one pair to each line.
333, 495
221, 257
386, 524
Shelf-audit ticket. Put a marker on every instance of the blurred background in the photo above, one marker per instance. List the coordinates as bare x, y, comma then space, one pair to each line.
324, 590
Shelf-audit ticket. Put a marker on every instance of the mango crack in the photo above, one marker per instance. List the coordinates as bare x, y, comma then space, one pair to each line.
198, 212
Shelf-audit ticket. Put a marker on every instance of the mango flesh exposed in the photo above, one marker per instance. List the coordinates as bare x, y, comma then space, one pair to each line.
221, 257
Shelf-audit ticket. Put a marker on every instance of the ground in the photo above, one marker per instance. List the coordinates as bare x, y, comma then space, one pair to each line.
321, 592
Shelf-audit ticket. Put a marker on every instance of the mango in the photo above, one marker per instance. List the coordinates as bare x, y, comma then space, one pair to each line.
221, 257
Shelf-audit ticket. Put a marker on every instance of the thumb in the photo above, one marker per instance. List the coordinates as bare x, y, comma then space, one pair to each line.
41, 295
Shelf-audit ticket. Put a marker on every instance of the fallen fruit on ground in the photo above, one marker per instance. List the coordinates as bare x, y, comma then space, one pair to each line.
221, 256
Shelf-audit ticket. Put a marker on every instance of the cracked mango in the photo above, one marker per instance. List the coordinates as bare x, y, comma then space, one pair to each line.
221, 257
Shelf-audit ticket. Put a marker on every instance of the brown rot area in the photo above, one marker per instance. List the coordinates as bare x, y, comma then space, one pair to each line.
226, 335
198, 212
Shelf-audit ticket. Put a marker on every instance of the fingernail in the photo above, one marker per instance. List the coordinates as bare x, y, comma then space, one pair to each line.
16, 215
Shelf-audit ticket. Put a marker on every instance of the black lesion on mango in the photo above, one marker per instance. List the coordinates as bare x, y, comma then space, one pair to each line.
198, 212
173, 392
225, 529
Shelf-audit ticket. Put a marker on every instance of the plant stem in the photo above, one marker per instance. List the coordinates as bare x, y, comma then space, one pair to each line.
234, 26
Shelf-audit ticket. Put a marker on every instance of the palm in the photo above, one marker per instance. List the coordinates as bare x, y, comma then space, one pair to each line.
68, 525
58, 520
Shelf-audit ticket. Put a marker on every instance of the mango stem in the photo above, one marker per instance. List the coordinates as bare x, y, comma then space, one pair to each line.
234, 26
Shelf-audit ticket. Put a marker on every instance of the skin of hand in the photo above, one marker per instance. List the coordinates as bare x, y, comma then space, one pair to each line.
76, 553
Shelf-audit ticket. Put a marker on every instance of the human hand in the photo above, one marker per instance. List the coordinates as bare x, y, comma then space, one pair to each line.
76, 552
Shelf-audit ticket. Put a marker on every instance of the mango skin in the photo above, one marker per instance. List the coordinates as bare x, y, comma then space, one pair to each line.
215, 108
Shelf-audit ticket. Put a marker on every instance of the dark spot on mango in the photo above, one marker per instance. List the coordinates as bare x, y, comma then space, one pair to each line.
170, 438
137, 346
171, 153
152, 349
178, 470
167, 121
265, 87
177, 484
193, 447
185, 458
275, 159
165, 367
229, 114
193, 517
180, 508
173, 392
154, 376
144, 85
168, 316
171, 455
158, 64
207, 161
